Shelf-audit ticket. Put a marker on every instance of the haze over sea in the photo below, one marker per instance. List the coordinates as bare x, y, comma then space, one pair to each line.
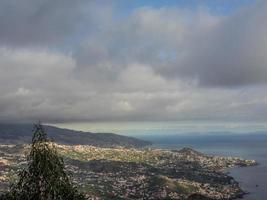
247, 140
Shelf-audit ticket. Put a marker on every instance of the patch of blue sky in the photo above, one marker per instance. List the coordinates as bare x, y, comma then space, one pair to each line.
217, 7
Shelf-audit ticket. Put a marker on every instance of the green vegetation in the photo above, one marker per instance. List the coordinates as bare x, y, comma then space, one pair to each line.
114, 173
21, 134
87, 153
45, 177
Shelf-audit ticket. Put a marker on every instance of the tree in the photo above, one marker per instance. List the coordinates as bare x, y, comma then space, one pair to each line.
45, 177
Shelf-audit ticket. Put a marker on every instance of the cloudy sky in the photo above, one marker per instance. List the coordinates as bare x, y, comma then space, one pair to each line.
97, 60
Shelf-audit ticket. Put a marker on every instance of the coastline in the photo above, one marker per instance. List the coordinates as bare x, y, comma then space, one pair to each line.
251, 179
177, 173
245, 193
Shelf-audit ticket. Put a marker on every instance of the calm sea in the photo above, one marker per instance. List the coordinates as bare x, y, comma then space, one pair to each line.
247, 140
249, 146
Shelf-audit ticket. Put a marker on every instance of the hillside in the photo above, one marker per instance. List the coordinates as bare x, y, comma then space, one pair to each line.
22, 133
122, 173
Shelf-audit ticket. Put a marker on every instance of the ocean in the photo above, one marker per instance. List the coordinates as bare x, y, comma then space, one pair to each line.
249, 146
246, 140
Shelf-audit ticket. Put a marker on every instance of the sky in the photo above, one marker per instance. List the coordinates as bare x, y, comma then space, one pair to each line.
65, 61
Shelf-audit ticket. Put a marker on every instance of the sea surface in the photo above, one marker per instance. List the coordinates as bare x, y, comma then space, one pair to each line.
246, 140
251, 179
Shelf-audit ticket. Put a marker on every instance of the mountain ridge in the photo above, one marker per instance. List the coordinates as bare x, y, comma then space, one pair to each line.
22, 133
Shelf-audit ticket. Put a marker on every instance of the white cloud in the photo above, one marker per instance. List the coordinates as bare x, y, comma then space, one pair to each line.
154, 64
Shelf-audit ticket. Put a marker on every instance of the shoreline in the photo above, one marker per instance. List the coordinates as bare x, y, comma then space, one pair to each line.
173, 173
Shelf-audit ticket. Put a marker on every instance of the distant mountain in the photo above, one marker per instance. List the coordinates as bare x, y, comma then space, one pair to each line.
22, 133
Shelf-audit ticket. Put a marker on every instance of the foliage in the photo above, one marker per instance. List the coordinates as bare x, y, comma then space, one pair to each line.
45, 177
